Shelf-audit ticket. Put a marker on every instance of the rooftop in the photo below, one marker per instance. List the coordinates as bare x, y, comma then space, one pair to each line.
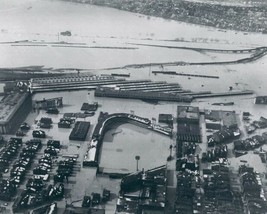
9, 104
228, 118
188, 112
69, 78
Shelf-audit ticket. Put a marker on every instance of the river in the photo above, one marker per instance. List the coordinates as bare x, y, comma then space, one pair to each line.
96, 31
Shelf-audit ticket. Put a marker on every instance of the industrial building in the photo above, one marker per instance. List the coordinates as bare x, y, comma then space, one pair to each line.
218, 119
188, 129
48, 103
71, 82
166, 118
14, 108
143, 95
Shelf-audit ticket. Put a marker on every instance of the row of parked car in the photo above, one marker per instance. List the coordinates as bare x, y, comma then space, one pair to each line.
9, 153
65, 122
45, 162
37, 192
30, 198
7, 190
18, 171
64, 170
95, 198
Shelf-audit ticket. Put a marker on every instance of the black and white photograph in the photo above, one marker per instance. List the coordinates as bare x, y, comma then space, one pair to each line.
133, 106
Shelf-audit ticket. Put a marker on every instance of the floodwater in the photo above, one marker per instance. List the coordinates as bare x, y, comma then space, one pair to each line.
124, 141
95, 30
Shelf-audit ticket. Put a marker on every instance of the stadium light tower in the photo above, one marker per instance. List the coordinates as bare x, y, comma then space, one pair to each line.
137, 158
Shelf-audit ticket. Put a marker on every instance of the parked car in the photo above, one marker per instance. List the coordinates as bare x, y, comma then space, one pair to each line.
27, 154
40, 171
45, 125
17, 171
64, 124
54, 143
25, 127
59, 178
105, 195
46, 165
86, 201
36, 183
45, 160
22, 163
64, 172
65, 164
20, 133
51, 150
38, 134
95, 199
89, 113
43, 177
17, 179
52, 111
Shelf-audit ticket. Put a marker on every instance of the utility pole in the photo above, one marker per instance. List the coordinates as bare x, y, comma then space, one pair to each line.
170, 156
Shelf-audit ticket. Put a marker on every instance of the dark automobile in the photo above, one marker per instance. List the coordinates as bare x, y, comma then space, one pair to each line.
17, 179
45, 125
24, 127
86, 201
64, 124
60, 191
51, 150
64, 172
35, 183
71, 120
105, 195
22, 163
3, 162
40, 171
46, 156
54, 143
8, 154
30, 149
34, 142
89, 113
59, 178
20, 133
95, 199
43, 177
38, 134
65, 164
71, 160
45, 165
7, 190
15, 141
46, 160
52, 111
27, 154
17, 171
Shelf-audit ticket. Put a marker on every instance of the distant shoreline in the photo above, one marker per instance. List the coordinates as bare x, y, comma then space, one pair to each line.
221, 16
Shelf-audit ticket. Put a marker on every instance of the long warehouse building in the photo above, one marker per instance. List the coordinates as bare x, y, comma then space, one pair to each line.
14, 108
